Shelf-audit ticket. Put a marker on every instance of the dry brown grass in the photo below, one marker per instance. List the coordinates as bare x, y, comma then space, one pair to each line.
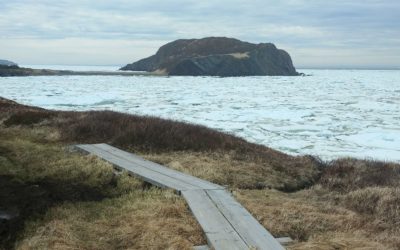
151, 219
289, 214
381, 203
225, 168
70, 201
343, 204
315, 223
342, 241
369, 188
348, 174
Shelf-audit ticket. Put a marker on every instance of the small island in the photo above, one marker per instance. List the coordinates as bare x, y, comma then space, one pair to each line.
217, 56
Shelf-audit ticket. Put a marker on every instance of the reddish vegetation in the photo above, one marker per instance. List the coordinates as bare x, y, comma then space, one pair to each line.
346, 175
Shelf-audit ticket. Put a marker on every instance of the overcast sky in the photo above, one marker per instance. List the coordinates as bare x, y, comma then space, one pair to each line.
317, 33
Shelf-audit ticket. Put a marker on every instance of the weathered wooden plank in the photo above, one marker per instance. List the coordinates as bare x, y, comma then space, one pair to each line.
219, 232
146, 174
138, 161
249, 229
226, 223
284, 240
204, 247
202, 184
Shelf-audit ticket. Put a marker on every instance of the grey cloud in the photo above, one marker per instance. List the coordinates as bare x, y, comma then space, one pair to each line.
296, 24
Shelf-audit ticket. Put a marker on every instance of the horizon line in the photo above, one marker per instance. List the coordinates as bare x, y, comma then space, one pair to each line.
297, 68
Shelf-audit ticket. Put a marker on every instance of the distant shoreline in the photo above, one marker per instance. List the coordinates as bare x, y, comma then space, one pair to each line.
15, 71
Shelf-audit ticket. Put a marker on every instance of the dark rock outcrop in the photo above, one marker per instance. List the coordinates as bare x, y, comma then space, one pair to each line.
216, 56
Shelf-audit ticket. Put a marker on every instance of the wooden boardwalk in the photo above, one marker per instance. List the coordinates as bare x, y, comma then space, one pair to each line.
226, 223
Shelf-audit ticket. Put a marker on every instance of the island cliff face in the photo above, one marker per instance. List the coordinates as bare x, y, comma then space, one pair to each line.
216, 56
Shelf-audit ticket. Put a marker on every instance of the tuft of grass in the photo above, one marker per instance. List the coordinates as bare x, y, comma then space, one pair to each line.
382, 203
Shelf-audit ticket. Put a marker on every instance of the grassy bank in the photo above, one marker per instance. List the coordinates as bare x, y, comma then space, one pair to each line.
59, 199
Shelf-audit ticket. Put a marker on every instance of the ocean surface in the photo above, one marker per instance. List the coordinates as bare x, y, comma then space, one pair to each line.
330, 113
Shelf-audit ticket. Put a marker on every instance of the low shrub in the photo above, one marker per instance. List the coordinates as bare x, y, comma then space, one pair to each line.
28, 117
349, 174
144, 132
